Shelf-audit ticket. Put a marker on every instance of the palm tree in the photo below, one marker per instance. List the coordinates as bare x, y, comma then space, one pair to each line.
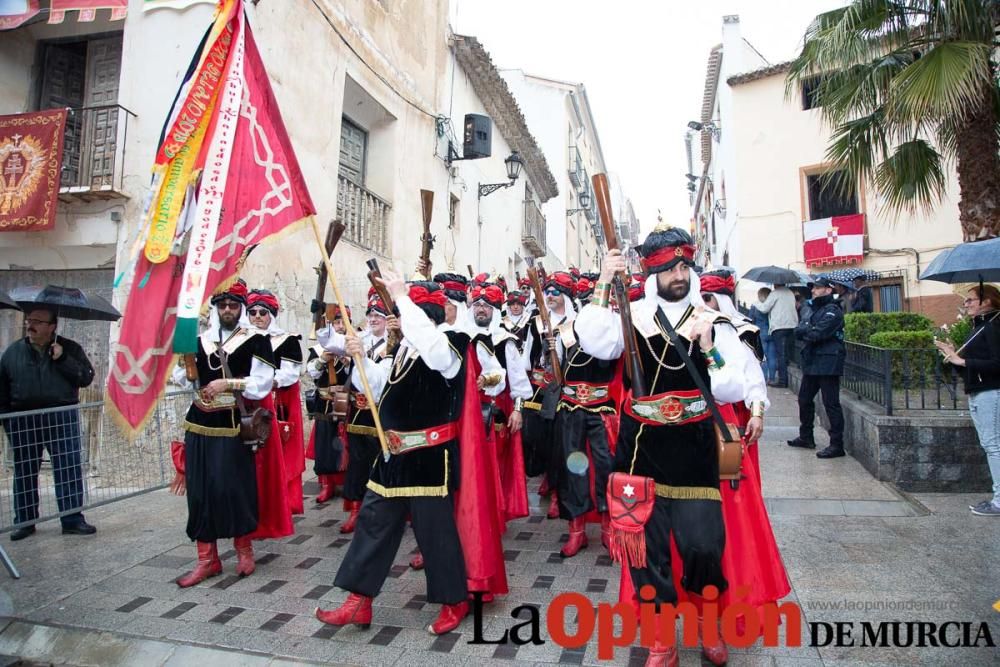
909, 88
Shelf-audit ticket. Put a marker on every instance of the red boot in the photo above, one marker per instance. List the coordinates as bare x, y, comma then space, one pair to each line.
449, 618
606, 530
245, 564
356, 610
326, 489
662, 656
715, 651
553, 512
543, 488
577, 538
208, 565
417, 562
355, 507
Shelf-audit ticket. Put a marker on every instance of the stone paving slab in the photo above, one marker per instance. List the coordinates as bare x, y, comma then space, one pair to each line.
844, 537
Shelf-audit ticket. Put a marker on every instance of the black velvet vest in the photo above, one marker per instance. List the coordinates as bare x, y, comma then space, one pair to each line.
683, 459
288, 349
241, 347
578, 366
415, 398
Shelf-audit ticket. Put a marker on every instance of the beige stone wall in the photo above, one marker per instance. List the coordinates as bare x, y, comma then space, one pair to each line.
775, 144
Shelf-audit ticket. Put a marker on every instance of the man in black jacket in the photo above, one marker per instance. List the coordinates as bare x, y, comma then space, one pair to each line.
822, 366
43, 370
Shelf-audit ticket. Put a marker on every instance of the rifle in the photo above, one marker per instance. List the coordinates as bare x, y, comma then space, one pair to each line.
426, 240
633, 364
517, 277
543, 313
392, 338
333, 233
472, 273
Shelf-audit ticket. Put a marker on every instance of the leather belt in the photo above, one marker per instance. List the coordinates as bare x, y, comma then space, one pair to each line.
668, 409
401, 442
585, 394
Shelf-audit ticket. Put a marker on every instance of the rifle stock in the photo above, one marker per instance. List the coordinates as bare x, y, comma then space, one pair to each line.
633, 364
543, 312
333, 233
426, 240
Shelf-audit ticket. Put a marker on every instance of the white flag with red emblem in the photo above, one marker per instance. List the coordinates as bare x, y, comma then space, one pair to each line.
837, 240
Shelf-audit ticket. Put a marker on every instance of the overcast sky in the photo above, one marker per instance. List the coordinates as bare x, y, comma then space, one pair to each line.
643, 63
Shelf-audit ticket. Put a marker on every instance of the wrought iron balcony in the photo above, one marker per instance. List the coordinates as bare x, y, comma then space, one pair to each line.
533, 229
365, 215
93, 165
577, 174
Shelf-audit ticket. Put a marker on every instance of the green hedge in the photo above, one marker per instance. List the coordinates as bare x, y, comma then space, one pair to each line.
859, 327
913, 357
960, 331
902, 339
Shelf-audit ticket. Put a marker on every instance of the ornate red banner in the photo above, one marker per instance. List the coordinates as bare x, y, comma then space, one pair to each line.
31, 146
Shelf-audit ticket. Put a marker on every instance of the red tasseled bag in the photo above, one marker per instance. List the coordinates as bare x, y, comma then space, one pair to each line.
630, 504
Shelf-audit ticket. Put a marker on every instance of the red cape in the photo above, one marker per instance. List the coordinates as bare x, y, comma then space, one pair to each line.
510, 459
274, 519
477, 501
289, 403
751, 561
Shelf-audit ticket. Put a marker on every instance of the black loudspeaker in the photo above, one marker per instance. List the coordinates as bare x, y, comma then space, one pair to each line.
478, 139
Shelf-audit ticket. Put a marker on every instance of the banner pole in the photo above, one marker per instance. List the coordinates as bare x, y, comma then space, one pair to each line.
358, 359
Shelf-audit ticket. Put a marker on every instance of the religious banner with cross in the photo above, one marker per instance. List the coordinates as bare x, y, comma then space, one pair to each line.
837, 240
31, 146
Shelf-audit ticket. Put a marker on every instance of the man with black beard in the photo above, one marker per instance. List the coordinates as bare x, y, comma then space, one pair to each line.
669, 435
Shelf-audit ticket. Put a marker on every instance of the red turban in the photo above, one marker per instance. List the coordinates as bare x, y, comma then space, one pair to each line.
263, 298
237, 292
563, 282
421, 295
490, 294
717, 284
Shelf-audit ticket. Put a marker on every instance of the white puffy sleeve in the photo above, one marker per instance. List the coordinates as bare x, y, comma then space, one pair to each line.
377, 373
179, 377
260, 380
728, 381
517, 375
432, 344
599, 332
288, 373
331, 340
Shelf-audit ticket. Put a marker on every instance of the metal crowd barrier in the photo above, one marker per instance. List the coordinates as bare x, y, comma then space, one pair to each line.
60, 461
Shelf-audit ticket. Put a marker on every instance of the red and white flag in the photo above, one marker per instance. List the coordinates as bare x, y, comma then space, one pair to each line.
838, 240
263, 193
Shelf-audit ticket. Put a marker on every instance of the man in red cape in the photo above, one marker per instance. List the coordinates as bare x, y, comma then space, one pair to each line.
231, 491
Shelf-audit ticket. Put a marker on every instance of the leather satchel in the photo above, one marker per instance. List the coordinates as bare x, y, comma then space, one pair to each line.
631, 499
255, 425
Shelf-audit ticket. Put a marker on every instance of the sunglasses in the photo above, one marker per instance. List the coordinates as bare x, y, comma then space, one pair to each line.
228, 305
551, 291
258, 312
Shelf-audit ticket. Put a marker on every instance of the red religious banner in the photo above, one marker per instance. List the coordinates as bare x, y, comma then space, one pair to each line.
31, 146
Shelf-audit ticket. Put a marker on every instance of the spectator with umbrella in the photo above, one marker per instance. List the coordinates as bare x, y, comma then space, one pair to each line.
779, 306
46, 371
978, 360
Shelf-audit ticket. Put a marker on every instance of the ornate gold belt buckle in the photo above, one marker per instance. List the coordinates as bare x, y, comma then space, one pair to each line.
671, 409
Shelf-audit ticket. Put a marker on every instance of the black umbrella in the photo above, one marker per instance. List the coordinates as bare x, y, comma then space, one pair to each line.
774, 275
7, 302
974, 262
68, 302
848, 275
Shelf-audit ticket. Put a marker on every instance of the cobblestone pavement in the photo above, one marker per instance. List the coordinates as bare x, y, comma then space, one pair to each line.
846, 538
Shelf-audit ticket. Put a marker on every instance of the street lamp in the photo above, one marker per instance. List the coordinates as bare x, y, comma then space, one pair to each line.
514, 164
710, 127
584, 200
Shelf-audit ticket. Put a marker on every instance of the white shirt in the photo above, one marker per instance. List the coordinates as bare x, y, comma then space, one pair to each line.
599, 332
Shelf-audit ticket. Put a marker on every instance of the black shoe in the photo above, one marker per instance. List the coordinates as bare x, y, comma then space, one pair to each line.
778, 385
79, 528
804, 444
830, 452
21, 533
